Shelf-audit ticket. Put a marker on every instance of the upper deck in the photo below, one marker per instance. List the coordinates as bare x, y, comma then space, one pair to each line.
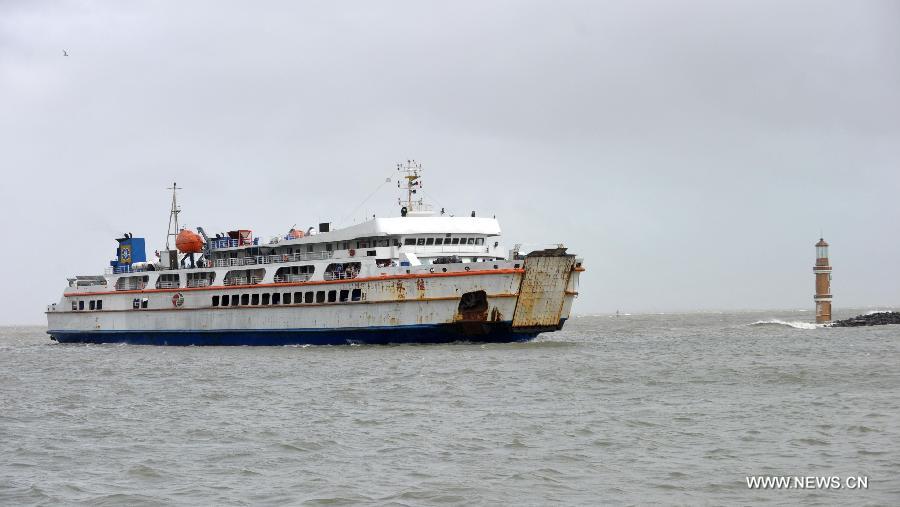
418, 237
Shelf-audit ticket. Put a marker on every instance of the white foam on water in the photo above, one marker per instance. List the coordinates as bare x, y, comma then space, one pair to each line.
796, 324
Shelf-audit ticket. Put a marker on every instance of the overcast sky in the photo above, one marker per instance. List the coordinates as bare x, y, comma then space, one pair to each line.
690, 151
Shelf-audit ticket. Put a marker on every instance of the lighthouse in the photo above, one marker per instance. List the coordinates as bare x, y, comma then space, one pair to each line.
822, 269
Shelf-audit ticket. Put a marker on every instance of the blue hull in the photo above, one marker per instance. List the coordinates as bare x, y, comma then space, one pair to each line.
493, 332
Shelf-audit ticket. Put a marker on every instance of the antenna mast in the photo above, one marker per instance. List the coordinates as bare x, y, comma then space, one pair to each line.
413, 177
173, 214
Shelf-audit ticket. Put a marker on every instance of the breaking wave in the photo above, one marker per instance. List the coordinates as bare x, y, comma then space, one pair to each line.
796, 324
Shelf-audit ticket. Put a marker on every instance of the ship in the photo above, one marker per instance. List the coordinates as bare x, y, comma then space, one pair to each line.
423, 276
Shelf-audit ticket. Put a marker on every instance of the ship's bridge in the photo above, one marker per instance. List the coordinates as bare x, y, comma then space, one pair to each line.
427, 237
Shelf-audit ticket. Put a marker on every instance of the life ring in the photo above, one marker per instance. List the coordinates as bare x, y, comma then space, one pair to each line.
177, 300
352, 252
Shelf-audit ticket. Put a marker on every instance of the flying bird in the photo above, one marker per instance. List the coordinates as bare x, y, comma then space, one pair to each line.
65, 53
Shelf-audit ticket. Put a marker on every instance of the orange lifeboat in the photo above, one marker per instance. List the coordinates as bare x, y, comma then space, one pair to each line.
189, 242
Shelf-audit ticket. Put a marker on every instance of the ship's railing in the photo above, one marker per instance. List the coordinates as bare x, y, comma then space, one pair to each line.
303, 277
131, 286
272, 259
340, 275
242, 280
200, 282
125, 268
167, 284
216, 243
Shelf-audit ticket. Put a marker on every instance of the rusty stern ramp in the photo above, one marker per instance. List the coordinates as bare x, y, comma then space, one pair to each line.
542, 292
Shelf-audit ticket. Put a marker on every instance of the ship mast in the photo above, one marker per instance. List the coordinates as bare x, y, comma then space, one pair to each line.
413, 176
173, 214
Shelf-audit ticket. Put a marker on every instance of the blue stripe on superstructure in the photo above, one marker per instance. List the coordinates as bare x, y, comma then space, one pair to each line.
482, 332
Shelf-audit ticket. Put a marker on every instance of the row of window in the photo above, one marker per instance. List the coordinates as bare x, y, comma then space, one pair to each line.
287, 298
443, 241
94, 304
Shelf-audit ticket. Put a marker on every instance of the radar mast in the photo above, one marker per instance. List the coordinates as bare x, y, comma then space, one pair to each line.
413, 175
173, 214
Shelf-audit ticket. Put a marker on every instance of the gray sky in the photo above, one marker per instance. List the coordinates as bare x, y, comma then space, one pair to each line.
690, 151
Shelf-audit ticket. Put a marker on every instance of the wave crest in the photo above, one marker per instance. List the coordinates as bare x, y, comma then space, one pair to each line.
796, 324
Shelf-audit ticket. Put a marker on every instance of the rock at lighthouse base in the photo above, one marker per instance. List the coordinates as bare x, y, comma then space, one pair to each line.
872, 319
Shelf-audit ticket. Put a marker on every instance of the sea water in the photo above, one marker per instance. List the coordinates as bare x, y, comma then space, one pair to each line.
634, 409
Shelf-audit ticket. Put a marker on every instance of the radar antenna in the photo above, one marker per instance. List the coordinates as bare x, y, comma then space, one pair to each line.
173, 214
413, 177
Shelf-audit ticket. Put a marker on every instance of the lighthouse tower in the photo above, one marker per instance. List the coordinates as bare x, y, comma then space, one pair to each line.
822, 269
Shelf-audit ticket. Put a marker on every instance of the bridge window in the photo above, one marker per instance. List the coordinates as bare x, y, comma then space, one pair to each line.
471, 241
254, 299
409, 241
74, 306
245, 299
479, 241
286, 298
234, 300
215, 300
265, 298
429, 241
92, 305
309, 297
276, 299
345, 294
356, 295
320, 296
225, 301
99, 304
135, 303
332, 296
454, 241
438, 241
420, 241
298, 297
145, 302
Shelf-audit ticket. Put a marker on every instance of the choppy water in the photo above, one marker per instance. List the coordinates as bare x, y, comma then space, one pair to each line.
636, 409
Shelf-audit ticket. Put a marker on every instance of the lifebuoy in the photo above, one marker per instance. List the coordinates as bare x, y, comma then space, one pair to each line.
352, 252
177, 299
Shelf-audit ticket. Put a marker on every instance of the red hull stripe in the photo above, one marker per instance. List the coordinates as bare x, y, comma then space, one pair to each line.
292, 305
303, 284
